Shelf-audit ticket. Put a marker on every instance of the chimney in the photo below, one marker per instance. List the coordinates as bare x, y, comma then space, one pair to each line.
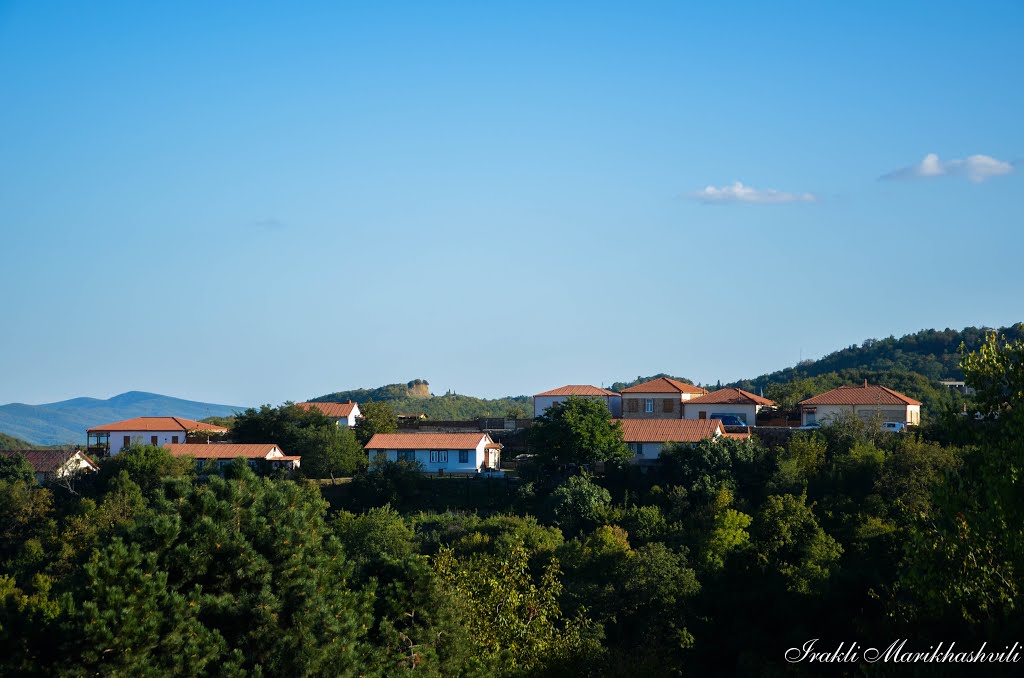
865, 383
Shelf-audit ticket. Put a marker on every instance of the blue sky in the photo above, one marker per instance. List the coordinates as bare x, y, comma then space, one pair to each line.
254, 202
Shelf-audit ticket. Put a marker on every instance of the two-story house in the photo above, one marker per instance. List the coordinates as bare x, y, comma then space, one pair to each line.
660, 398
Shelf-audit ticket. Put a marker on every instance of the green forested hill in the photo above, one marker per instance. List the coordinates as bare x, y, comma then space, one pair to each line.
415, 398
912, 364
11, 443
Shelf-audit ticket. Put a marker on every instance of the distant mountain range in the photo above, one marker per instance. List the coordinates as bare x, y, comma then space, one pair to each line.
66, 421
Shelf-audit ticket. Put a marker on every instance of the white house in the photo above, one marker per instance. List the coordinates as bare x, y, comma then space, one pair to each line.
53, 464
225, 453
345, 414
726, 401
611, 399
112, 438
646, 437
660, 398
866, 401
438, 452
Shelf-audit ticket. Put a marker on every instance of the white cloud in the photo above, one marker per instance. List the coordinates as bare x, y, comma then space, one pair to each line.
740, 193
976, 168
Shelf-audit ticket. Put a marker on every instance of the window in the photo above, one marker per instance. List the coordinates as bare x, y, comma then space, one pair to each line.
174, 440
406, 455
439, 456
152, 440
649, 405
633, 405
702, 415
463, 456
637, 449
127, 442
667, 405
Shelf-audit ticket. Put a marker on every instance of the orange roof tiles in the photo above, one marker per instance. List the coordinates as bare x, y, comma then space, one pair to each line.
664, 385
668, 430
426, 441
157, 424
866, 394
333, 410
223, 450
738, 436
577, 390
731, 396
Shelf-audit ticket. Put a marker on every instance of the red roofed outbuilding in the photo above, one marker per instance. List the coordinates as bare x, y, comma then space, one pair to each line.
866, 401
345, 414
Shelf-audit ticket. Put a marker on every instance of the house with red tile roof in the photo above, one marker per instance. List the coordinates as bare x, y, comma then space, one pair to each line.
866, 401
437, 452
611, 399
726, 403
225, 453
109, 439
345, 414
50, 465
660, 398
646, 437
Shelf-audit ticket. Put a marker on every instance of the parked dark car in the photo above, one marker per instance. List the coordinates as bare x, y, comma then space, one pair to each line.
729, 419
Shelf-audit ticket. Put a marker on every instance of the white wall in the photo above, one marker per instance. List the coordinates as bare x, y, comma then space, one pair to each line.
351, 421
541, 403
143, 438
826, 413
746, 412
476, 459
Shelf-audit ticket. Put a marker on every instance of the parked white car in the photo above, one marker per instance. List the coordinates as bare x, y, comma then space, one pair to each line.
894, 426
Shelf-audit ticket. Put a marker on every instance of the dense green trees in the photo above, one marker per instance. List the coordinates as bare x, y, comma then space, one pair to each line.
327, 450
377, 417
578, 431
713, 562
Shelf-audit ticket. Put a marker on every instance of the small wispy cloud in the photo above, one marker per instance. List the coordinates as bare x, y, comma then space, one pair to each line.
976, 168
738, 192
271, 224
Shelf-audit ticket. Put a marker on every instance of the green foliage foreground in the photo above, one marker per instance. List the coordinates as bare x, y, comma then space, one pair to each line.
715, 562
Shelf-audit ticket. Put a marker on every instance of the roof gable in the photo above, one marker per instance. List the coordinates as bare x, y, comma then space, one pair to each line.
730, 396
669, 430
334, 410
49, 461
427, 441
223, 450
664, 385
864, 394
158, 424
577, 390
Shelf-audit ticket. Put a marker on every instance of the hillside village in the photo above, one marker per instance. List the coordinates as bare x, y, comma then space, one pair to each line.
650, 415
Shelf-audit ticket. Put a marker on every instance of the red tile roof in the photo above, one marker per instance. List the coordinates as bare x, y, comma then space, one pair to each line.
157, 424
48, 461
738, 436
731, 396
866, 394
577, 390
333, 410
664, 385
669, 430
222, 450
426, 441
